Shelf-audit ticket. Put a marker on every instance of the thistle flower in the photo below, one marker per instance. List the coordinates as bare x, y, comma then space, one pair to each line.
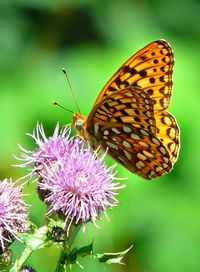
47, 151
72, 179
13, 213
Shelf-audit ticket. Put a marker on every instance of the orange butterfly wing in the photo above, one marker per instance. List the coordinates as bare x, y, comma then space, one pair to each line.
168, 133
150, 69
129, 116
124, 123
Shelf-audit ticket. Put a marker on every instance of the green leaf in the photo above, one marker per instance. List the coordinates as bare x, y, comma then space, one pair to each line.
83, 252
112, 258
56, 223
86, 250
36, 240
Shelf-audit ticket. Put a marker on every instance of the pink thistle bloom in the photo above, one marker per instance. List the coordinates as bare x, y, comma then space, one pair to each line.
13, 213
72, 179
47, 149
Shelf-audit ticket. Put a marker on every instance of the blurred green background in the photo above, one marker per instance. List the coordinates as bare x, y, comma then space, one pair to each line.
91, 39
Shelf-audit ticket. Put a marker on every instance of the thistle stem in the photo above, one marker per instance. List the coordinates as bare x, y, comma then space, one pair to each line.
63, 262
61, 267
19, 262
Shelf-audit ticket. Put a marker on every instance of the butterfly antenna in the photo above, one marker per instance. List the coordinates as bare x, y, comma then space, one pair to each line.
60, 106
71, 90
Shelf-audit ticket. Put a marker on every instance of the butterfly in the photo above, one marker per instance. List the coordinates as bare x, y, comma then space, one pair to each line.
130, 118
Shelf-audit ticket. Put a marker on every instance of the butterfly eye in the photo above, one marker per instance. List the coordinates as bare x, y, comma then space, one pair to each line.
79, 122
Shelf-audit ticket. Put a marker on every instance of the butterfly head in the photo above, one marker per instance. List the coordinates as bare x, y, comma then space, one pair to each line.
80, 123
